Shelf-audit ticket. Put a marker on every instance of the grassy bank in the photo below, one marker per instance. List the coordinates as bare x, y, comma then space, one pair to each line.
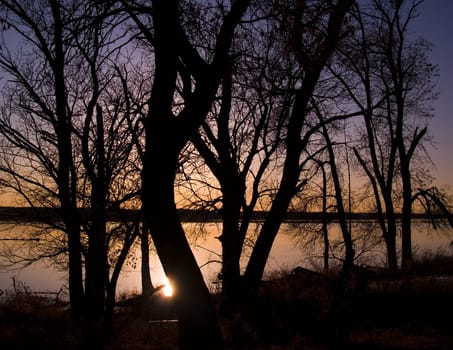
296, 310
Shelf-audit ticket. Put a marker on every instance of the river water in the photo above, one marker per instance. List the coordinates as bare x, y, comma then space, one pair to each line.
290, 249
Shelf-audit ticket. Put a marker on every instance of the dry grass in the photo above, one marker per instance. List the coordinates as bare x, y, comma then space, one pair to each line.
294, 311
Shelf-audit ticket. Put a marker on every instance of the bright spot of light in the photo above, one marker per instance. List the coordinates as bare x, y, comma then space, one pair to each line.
168, 289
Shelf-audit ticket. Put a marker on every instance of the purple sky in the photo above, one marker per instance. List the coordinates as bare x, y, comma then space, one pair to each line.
435, 23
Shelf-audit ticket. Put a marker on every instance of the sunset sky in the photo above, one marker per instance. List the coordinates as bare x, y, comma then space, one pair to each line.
435, 24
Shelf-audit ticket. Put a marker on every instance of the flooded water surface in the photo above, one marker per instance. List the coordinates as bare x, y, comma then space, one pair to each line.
294, 246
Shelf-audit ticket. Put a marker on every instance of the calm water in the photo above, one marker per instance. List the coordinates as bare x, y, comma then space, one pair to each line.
289, 250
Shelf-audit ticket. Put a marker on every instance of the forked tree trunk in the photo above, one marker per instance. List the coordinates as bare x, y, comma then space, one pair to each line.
166, 136
115, 274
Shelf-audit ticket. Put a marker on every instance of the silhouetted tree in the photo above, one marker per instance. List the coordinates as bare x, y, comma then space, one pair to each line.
407, 76
376, 155
340, 208
240, 142
63, 116
389, 78
243, 137
311, 44
135, 87
36, 121
168, 128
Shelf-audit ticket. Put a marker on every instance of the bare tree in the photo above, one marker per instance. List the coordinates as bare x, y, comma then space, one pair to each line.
312, 55
36, 121
377, 158
340, 207
168, 129
62, 111
389, 78
243, 141
407, 76
240, 141
135, 87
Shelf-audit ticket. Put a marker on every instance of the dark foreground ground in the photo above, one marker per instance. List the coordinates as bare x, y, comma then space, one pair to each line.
296, 310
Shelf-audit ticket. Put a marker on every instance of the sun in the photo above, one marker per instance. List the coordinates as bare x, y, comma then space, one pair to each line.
168, 289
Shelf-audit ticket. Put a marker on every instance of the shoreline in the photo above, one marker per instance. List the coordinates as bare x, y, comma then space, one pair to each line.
47, 215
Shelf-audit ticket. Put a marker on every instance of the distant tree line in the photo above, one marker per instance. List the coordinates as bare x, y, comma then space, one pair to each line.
228, 107
38, 214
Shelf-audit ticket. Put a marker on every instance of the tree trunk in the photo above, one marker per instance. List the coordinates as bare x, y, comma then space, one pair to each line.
76, 293
347, 238
147, 285
198, 325
406, 216
232, 242
96, 268
96, 277
96, 264
112, 284
269, 230
286, 191
66, 177
295, 142
325, 223
390, 241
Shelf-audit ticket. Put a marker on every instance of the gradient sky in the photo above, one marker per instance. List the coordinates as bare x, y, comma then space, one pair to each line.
435, 23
